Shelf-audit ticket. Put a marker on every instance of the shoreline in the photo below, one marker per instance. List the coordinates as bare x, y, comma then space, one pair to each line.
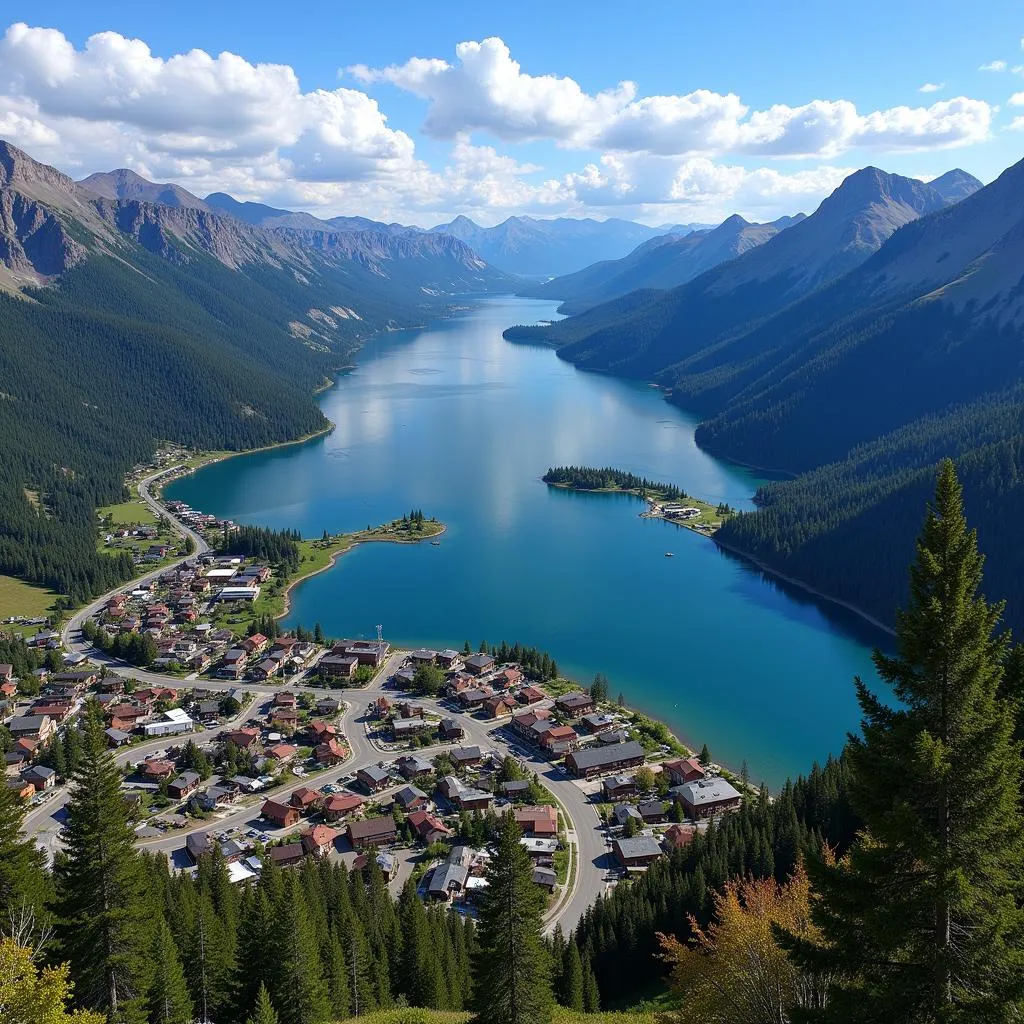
335, 555
806, 587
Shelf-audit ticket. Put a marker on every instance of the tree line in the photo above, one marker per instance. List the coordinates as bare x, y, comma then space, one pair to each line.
278, 547
586, 478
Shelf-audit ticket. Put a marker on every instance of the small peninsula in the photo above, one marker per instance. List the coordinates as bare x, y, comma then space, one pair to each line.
664, 501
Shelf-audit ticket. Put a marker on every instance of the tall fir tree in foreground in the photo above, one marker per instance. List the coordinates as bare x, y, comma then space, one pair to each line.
103, 919
922, 920
512, 982
24, 885
169, 1001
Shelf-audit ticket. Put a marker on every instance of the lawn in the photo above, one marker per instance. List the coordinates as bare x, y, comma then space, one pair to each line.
20, 598
129, 513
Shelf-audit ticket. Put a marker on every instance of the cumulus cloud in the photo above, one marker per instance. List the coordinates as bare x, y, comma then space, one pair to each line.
994, 65
932, 87
487, 90
1016, 100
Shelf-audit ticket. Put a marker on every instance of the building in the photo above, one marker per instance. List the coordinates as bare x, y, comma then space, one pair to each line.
524, 724
625, 813
32, 727
448, 881
684, 770
183, 786
282, 815
594, 761
559, 740
372, 832
282, 753
409, 798
466, 757
287, 855
156, 770
403, 728
516, 789
638, 853
707, 797
428, 828
319, 841
678, 835
462, 796
173, 723
538, 820
597, 723
422, 657
545, 878
331, 752
374, 778
338, 805
117, 737
478, 664
653, 812
499, 707
575, 704
305, 799
619, 787
449, 729
244, 739
449, 660
530, 695
412, 766
475, 697
40, 776
338, 666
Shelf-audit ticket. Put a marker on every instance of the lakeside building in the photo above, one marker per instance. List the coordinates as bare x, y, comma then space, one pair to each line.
592, 761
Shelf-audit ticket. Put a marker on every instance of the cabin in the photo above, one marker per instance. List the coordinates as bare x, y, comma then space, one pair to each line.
282, 815
707, 797
372, 832
684, 770
339, 805
638, 853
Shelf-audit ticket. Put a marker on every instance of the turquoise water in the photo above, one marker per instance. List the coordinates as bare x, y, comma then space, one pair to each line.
458, 422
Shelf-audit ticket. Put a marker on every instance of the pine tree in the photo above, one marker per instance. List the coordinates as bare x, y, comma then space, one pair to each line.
922, 921
513, 971
24, 887
169, 1001
572, 978
264, 1012
104, 919
299, 987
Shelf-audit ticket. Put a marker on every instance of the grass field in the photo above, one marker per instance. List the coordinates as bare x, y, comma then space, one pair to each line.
129, 513
561, 1016
18, 598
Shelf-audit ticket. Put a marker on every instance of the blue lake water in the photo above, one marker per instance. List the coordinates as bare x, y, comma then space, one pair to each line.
456, 421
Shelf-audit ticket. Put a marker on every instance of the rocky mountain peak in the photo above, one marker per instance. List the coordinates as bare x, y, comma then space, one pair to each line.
18, 170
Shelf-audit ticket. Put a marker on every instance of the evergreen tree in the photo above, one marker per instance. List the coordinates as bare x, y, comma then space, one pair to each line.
513, 971
104, 918
922, 921
24, 887
264, 1012
169, 1001
572, 978
300, 991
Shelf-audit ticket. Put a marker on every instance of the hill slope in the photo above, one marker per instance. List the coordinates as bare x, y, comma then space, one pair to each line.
663, 262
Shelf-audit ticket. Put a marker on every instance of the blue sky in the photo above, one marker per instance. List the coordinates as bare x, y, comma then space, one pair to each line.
416, 112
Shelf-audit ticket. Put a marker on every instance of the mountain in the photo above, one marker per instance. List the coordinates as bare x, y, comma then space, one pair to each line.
955, 185
260, 215
545, 248
149, 320
662, 262
126, 184
645, 332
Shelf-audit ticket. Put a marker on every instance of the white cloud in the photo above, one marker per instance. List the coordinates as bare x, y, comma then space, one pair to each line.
1016, 100
487, 90
993, 65
932, 87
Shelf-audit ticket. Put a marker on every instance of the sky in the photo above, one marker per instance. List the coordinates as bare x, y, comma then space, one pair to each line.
660, 112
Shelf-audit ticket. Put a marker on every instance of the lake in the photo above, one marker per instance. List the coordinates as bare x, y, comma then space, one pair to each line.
453, 420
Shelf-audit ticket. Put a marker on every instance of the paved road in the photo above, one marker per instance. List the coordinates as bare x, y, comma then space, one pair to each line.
593, 858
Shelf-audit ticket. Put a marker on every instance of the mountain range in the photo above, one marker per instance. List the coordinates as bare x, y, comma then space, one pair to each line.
662, 262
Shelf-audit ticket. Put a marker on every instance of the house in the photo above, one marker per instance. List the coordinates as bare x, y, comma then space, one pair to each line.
422, 657
282, 815
525, 724
287, 855
619, 787
625, 813
32, 727
338, 666
593, 761
266, 669
402, 728
171, 723
243, 739
409, 798
428, 828
499, 707
545, 878
233, 664
448, 881
612, 736
449, 659
449, 729
58, 711
559, 739
508, 678
597, 723
216, 796
478, 664
282, 753
338, 805
331, 752
374, 778
197, 844
26, 747
475, 697
530, 695
284, 718
406, 710
40, 776
6, 673
653, 812
319, 841
637, 853
387, 862
537, 820
305, 799
183, 786
462, 796
125, 716
255, 644
678, 835
328, 706
517, 789
412, 766
684, 770
157, 770
367, 652
707, 797
320, 731
575, 704
372, 832
20, 787
466, 757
